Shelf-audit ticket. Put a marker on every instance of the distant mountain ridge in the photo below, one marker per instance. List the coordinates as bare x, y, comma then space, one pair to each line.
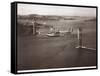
44, 17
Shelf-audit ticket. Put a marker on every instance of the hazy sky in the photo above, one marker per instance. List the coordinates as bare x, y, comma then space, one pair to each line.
24, 9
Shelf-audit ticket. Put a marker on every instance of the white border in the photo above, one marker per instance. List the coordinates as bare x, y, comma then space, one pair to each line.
55, 69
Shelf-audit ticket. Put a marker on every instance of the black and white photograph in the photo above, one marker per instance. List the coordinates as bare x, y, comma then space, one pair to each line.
55, 37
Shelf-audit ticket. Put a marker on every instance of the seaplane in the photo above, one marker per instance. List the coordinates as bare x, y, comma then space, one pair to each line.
56, 33
53, 33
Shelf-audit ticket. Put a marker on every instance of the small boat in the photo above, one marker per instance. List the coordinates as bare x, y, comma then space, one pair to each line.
50, 34
53, 34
